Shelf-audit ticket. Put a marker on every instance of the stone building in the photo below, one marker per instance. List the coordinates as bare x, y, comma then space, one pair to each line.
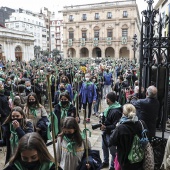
16, 45
101, 30
30, 23
5, 13
56, 28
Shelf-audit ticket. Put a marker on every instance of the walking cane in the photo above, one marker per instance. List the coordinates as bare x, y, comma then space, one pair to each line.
86, 141
52, 122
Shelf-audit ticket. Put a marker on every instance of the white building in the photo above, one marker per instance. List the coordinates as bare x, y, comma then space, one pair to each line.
29, 22
16, 45
56, 32
164, 9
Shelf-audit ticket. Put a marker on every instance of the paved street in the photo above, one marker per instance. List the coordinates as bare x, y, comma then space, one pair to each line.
95, 138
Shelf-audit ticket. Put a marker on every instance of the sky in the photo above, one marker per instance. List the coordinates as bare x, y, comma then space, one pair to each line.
55, 5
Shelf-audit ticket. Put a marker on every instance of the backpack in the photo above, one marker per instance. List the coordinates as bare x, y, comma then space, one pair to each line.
136, 153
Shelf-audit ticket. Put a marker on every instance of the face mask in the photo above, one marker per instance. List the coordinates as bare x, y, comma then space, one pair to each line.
9, 82
30, 165
62, 89
87, 79
107, 71
63, 103
64, 80
19, 120
31, 103
28, 88
94, 80
70, 136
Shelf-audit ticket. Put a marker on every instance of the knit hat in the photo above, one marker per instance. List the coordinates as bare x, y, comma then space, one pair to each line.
111, 96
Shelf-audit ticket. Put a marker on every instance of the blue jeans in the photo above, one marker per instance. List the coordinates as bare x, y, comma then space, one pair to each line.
106, 150
96, 106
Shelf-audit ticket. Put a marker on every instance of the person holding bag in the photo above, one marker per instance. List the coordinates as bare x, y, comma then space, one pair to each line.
123, 137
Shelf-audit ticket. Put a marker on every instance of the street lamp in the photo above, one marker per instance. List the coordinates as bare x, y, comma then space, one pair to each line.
134, 46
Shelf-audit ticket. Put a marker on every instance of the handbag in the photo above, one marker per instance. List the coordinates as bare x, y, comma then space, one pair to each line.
116, 163
148, 161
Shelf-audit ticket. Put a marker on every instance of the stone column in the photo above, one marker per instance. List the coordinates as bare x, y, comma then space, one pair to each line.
117, 52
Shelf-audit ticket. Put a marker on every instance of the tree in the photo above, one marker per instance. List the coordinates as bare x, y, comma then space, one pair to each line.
55, 52
37, 51
45, 53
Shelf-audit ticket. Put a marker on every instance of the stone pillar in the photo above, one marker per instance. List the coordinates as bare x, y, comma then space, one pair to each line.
77, 52
90, 52
117, 52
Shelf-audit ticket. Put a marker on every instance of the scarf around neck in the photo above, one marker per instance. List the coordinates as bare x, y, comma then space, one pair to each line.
13, 139
113, 106
64, 110
70, 145
127, 119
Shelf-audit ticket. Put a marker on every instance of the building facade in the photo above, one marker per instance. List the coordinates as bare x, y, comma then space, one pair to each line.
5, 13
101, 30
164, 10
46, 14
16, 45
31, 23
56, 28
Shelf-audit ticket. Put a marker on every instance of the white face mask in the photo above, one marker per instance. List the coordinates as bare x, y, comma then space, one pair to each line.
87, 78
9, 82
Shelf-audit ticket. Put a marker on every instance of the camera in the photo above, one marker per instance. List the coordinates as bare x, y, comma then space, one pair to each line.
101, 121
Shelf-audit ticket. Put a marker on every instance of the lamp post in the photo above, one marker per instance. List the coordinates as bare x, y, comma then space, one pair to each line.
134, 46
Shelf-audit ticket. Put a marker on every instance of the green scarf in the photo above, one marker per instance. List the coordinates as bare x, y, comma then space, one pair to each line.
33, 111
70, 145
83, 134
43, 166
113, 106
13, 139
75, 96
88, 83
64, 110
55, 126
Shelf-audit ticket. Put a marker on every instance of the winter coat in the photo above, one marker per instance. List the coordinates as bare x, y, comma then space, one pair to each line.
112, 119
122, 137
147, 110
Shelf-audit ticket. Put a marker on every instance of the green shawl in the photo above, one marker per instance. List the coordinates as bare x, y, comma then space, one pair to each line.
113, 106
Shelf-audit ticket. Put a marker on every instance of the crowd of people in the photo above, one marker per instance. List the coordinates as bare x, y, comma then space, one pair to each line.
74, 85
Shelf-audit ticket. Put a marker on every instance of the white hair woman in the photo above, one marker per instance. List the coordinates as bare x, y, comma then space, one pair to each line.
123, 135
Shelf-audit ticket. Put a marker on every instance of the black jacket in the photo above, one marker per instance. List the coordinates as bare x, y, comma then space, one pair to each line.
4, 107
147, 110
122, 137
13, 167
112, 119
71, 112
6, 136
